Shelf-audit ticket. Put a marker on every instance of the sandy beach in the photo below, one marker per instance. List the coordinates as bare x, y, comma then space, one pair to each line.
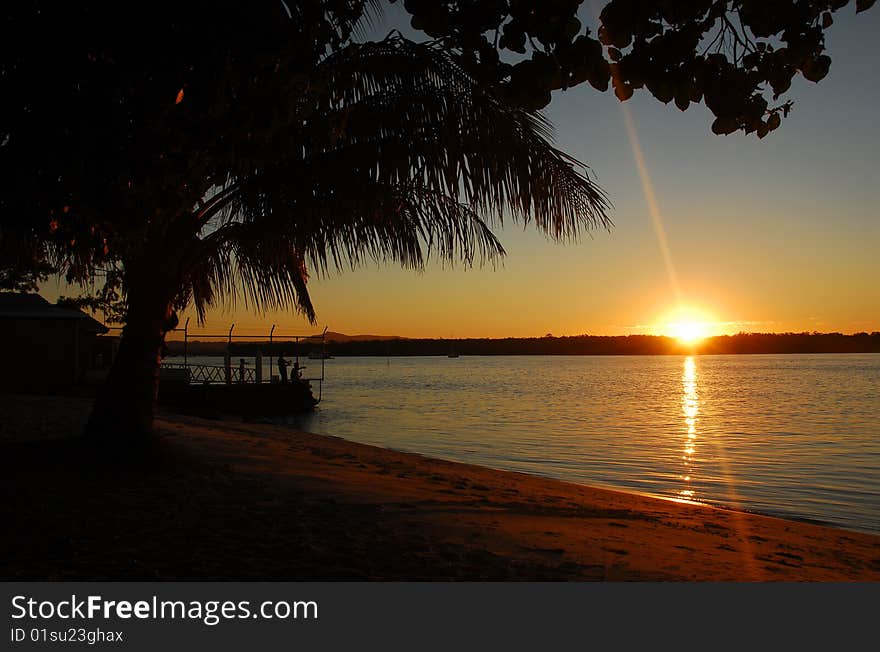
252, 501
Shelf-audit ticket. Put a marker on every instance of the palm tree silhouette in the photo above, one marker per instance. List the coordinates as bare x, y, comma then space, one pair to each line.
403, 157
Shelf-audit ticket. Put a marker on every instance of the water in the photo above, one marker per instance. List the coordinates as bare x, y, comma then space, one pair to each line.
789, 435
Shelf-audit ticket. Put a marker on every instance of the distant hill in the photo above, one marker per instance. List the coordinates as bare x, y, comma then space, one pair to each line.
342, 337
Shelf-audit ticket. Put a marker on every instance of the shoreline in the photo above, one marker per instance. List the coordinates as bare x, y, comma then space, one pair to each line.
744, 532
602, 487
254, 501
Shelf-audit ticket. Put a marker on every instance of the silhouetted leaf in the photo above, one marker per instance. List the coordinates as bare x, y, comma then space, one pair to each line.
572, 28
623, 91
724, 125
816, 69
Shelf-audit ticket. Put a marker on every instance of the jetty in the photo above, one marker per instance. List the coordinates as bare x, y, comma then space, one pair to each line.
256, 376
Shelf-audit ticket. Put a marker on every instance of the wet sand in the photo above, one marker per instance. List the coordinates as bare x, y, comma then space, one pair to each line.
252, 501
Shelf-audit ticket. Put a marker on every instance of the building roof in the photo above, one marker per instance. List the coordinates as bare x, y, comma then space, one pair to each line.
14, 305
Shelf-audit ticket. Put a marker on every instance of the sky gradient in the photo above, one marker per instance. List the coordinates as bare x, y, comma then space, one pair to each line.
772, 236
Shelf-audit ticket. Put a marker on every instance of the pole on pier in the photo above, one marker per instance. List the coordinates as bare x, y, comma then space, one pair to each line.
323, 358
186, 343
258, 369
227, 359
271, 358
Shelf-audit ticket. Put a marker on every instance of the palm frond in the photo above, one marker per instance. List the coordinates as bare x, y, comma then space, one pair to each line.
401, 157
243, 261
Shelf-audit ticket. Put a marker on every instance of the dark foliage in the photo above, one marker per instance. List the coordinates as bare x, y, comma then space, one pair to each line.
736, 56
187, 161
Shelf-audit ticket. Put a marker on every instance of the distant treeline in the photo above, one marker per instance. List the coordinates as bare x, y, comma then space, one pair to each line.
572, 345
792, 343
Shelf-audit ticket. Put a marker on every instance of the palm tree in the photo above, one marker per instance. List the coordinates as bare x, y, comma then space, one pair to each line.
396, 155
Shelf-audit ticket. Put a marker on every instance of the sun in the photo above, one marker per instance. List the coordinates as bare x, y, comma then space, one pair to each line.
688, 332
687, 325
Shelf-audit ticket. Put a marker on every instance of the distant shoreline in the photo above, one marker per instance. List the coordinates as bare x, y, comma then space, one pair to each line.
742, 344
533, 355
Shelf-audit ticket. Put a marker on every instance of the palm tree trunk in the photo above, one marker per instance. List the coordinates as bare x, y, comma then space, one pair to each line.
123, 414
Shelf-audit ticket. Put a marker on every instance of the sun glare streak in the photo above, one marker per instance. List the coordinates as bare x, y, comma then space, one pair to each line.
651, 199
689, 327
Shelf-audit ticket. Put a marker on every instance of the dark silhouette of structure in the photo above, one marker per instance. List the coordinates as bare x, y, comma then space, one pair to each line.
47, 348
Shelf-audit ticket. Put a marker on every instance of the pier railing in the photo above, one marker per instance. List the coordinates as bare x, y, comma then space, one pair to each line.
204, 373
254, 349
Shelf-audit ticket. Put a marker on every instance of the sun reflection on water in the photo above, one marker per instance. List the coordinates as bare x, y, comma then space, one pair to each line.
690, 407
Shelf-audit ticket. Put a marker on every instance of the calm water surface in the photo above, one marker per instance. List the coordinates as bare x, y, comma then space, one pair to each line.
791, 435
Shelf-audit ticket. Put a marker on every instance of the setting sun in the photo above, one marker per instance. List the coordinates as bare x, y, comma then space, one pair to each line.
687, 325
688, 332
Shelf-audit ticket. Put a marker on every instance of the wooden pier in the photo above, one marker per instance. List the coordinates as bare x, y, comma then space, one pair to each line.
241, 384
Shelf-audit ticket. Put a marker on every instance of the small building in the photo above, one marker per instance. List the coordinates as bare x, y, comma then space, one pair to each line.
46, 347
